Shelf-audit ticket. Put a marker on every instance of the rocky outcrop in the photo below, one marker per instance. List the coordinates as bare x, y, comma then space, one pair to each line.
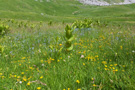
104, 3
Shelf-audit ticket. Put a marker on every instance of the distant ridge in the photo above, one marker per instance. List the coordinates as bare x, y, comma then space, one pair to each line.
105, 2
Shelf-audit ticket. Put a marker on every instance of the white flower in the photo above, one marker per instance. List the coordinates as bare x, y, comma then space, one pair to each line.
20, 82
82, 56
133, 51
43, 64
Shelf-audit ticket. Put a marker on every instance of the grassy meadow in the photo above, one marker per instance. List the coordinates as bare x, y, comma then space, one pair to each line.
36, 52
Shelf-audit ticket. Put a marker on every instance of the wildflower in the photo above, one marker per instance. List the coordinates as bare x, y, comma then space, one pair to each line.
58, 60
41, 77
28, 83
52, 59
20, 82
0, 73
78, 81
104, 62
96, 56
79, 89
14, 75
68, 88
82, 56
79, 52
38, 88
92, 79
42, 64
111, 65
23, 57
105, 68
94, 85
133, 51
121, 47
84, 64
60, 44
41, 61
115, 64
22, 72
39, 51
24, 79
64, 89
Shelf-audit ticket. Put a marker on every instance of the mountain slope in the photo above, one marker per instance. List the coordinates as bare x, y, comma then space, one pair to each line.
59, 10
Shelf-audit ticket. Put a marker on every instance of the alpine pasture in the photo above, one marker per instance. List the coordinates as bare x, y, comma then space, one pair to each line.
66, 45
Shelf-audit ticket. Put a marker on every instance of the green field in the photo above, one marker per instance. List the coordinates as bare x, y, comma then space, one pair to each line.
65, 45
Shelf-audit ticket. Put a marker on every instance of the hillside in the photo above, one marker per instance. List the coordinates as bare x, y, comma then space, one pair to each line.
58, 10
66, 45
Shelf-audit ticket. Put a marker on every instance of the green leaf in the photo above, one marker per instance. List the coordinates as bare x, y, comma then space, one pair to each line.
70, 48
71, 39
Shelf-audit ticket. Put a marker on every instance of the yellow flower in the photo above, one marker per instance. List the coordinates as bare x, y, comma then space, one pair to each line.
38, 88
52, 59
79, 89
28, 83
94, 85
64, 89
24, 79
0, 73
115, 64
41, 61
111, 65
121, 47
22, 72
58, 60
105, 68
68, 88
104, 62
23, 57
14, 75
84, 64
96, 56
41, 77
60, 44
77, 81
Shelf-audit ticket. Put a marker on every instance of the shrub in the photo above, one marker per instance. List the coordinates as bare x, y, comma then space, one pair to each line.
3, 29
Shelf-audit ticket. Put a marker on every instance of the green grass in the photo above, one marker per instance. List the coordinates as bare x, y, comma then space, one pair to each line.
102, 57
63, 10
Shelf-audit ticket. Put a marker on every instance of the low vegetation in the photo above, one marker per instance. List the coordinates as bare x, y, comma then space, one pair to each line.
33, 56
65, 45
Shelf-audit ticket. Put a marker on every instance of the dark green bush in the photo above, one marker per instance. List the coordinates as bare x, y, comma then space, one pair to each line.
3, 29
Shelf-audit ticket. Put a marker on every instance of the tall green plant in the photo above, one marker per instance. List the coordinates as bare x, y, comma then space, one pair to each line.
69, 38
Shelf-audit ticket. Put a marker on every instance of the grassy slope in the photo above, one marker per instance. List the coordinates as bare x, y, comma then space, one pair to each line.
108, 51
59, 10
